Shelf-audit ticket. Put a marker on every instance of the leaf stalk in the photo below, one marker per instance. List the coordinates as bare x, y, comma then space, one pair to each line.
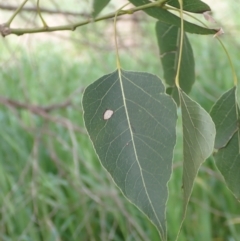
180, 46
40, 15
115, 36
8, 23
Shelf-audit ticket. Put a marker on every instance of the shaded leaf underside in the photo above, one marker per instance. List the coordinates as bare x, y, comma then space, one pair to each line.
136, 143
168, 41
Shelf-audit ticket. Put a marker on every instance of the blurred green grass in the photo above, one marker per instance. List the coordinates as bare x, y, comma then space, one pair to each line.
52, 185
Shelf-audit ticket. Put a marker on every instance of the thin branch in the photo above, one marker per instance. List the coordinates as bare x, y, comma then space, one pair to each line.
33, 108
45, 10
5, 30
43, 112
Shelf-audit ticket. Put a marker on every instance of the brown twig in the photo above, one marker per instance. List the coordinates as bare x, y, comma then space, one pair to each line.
33, 108
43, 111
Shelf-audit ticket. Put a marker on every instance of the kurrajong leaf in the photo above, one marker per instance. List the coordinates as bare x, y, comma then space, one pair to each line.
132, 124
198, 141
169, 18
194, 6
98, 6
168, 37
225, 114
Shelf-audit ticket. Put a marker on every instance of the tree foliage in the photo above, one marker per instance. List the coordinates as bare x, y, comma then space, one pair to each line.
131, 116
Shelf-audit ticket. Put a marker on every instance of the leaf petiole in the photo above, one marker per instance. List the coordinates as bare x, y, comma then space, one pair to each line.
8, 23
115, 35
180, 46
40, 15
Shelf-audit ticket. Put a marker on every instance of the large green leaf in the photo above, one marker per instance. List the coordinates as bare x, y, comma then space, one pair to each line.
225, 116
98, 6
132, 122
167, 17
168, 41
198, 141
194, 6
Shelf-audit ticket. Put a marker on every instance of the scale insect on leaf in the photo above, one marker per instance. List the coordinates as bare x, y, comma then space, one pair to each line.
107, 114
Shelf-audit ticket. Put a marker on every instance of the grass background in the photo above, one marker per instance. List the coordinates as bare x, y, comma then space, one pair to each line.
52, 186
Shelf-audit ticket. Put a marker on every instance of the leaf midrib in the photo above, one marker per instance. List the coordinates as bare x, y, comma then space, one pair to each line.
134, 148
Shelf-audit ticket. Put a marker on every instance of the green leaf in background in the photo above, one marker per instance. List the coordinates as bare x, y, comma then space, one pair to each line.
194, 6
98, 6
169, 18
168, 37
198, 141
228, 162
132, 124
225, 116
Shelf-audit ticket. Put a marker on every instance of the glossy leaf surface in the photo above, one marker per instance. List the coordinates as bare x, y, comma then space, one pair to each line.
135, 142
